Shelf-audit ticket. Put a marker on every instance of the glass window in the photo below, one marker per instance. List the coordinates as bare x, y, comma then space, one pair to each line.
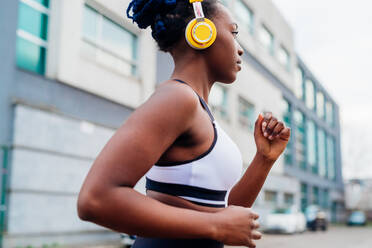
244, 16
283, 57
271, 197
32, 21
109, 42
299, 83
288, 158
310, 94
218, 101
320, 104
45, 3
32, 35
246, 114
322, 160
316, 195
90, 24
304, 200
30, 56
300, 145
329, 113
325, 199
288, 199
311, 145
266, 38
331, 158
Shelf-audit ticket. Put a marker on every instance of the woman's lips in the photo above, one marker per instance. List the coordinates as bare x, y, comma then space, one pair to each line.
239, 64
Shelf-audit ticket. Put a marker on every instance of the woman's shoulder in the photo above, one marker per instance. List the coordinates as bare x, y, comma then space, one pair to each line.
171, 92
169, 104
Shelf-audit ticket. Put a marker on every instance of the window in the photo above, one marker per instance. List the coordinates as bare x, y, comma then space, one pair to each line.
32, 35
311, 145
218, 101
271, 197
244, 16
325, 199
300, 145
288, 199
320, 104
304, 193
299, 83
316, 195
310, 95
246, 114
283, 58
109, 43
322, 159
331, 158
266, 38
288, 158
329, 113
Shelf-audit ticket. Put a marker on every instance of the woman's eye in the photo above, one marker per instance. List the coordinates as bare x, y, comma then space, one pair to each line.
235, 33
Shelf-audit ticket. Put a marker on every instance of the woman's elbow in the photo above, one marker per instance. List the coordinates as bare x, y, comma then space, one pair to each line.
86, 207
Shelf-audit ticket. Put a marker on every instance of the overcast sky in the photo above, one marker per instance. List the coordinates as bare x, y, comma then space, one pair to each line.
334, 38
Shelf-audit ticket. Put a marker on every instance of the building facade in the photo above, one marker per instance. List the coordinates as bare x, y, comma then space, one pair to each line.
73, 71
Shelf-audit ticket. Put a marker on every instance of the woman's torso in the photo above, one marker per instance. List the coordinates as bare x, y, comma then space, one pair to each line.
196, 172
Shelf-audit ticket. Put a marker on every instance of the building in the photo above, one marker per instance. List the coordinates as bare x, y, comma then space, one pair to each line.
73, 71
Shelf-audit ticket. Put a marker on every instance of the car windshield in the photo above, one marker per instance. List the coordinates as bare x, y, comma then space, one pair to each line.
357, 214
311, 209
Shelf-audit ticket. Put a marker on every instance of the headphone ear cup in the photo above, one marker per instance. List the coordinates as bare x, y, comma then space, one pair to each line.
200, 34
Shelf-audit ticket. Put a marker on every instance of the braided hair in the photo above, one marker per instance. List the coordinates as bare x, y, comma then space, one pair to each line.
168, 18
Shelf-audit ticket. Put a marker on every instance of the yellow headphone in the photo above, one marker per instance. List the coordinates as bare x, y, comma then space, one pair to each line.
201, 32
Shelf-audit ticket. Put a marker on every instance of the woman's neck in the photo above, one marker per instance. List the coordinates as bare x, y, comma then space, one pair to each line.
194, 71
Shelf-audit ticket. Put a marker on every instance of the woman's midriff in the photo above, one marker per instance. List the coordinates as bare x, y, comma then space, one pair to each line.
179, 202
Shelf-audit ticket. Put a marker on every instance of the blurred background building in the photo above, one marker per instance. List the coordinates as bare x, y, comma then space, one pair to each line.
73, 71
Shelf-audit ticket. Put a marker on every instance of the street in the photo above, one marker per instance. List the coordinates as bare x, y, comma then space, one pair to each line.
340, 237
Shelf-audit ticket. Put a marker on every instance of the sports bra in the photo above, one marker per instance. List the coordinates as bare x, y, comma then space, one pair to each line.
205, 180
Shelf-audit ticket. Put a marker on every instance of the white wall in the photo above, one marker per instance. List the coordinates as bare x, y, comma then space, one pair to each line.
70, 62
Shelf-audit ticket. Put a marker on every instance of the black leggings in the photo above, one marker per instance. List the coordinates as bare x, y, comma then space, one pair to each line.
142, 242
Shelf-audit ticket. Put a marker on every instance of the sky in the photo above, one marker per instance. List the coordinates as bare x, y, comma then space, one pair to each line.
334, 39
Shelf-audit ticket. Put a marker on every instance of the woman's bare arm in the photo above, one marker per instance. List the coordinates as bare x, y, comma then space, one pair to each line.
107, 197
269, 148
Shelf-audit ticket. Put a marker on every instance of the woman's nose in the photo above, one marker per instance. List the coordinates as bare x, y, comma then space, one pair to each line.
240, 49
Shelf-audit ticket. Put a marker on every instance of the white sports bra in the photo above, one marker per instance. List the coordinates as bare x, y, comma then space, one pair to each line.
205, 180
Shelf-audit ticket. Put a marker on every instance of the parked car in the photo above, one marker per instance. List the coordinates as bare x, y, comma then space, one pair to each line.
357, 218
285, 220
127, 240
316, 218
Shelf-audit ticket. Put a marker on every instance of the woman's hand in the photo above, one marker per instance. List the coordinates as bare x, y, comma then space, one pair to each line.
237, 226
271, 136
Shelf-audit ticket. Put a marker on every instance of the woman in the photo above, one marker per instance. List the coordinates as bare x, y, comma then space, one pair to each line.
195, 196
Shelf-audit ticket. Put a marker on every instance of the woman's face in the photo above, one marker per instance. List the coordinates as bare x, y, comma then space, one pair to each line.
224, 55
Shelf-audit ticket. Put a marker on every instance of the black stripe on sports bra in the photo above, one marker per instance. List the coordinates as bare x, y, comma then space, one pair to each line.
205, 106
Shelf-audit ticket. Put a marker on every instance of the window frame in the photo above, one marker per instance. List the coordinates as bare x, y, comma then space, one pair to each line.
246, 122
31, 38
271, 47
287, 63
251, 15
99, 44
